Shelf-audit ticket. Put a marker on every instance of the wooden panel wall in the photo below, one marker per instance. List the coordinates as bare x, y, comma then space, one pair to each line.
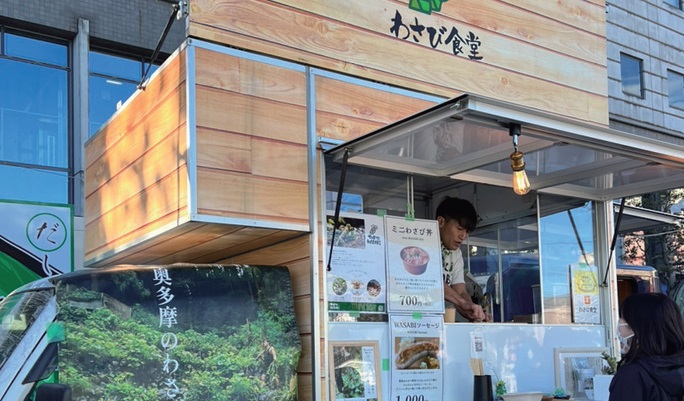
251, 139
545, 55
136, 173
346, 111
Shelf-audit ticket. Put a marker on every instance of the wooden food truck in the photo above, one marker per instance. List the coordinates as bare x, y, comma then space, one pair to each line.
276, 117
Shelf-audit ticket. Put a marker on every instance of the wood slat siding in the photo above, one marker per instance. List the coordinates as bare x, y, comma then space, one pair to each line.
346, 111
251, 140
135, 166
545, 55
145, 252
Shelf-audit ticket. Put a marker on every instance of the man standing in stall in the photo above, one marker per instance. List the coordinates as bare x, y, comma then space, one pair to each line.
456, 219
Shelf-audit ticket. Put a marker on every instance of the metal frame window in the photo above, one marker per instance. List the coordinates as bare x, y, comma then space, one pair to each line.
112, 80
631, 74
35, 110
674, 3
675, 89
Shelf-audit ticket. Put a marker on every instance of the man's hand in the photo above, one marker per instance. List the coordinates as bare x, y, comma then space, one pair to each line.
473, 312
458, 295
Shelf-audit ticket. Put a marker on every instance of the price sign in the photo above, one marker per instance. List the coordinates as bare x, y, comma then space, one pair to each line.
416, 365
414, 266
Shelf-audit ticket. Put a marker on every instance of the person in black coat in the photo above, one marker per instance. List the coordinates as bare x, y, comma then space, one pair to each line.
651, 332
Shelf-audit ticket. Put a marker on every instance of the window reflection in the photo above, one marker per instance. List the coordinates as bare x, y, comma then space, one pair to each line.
630, 70
35, 50
112, 81
37, 185
34, 119
33, 114
504, 261
675, 89
567, 238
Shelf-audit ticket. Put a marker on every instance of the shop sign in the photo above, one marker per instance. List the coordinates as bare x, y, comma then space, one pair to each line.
416, 366
356, 280
36, 240
451, 39
414, 266
585, 293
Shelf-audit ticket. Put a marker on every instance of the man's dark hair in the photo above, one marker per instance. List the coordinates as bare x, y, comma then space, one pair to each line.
460, 210
657, 325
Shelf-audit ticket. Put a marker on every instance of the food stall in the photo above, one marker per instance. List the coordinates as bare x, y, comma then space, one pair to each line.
235, 153
542, 257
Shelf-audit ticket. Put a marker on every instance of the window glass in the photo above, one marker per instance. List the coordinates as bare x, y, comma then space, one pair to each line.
37, 185
36, 50
504, 261
17, 315
630, 69
114, 66
113, 79
105, 96
33, 114
673, 3
675, 89
567, 244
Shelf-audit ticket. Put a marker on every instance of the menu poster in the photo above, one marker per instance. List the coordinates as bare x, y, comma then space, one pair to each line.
585, 293
414, 266
356, 280
416, 365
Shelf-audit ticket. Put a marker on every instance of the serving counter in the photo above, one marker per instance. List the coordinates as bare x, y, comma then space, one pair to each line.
522, 355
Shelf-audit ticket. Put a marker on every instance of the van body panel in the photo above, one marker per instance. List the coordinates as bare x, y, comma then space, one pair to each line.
192, 332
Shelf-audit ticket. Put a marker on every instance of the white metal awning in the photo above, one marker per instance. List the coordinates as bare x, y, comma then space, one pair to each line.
467, 138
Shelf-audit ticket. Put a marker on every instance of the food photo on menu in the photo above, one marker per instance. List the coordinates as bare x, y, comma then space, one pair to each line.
416, 353
415, 259
350, 232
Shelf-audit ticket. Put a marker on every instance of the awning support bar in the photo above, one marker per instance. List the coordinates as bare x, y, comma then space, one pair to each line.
338, 204
612, 244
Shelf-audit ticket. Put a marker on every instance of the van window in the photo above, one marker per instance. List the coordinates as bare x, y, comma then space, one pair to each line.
17, 314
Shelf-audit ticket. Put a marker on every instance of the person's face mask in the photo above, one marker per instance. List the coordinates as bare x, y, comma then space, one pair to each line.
624, 334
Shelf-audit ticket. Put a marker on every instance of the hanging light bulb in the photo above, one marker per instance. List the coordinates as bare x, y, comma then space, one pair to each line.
521, 185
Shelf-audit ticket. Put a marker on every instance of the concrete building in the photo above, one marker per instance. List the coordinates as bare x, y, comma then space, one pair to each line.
66, 65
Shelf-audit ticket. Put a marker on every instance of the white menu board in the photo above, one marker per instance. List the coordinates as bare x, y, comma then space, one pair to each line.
416, 365
414, 266
356, 280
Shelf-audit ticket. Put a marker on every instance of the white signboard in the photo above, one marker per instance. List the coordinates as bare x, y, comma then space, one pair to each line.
356, 280
416, 365
36, 240
585, 293
414, 266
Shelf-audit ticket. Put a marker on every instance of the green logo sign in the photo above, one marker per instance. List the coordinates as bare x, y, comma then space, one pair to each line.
426, 6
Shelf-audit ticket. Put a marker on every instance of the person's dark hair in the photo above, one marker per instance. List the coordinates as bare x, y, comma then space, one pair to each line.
657, 324
460, 210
